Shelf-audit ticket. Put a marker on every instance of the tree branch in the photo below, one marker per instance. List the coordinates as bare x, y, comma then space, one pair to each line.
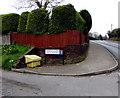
37, 3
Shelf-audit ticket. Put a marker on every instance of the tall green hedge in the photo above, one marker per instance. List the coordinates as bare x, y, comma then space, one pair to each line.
87, 17
0, 24
22, 22
80, 23
10, 22
38, 21
63, 18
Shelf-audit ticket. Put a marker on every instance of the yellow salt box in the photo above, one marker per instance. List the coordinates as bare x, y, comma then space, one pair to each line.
32, 60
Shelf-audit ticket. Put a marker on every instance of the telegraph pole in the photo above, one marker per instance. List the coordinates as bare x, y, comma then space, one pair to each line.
111, 27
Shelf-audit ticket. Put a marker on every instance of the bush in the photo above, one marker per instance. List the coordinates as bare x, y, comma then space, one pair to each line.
22, 22
0, 24
87, 17
80, 23
115, 33
10, 22
63, 18
9, 50
38, 21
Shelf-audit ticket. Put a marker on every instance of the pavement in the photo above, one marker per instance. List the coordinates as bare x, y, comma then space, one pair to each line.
98, 61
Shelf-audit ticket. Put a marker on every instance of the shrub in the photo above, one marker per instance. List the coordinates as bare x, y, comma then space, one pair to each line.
38, 21
80, 23
10, 22
22, 22
87, 17
0, 24
115, 33
9, 50
63, 18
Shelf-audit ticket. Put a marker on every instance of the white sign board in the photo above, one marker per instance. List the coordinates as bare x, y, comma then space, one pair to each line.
52, 51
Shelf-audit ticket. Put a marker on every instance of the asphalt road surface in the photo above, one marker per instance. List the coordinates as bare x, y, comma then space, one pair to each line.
112, 46
20, 84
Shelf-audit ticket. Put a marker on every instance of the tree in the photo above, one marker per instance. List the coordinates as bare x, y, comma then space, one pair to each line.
100, 37
37, 4
95, 35
63, 18
105, 37
109, 34
22, 22
10, 22
115, 33
38, 21
87, 17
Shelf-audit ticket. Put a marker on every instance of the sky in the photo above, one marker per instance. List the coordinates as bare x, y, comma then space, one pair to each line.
104, 12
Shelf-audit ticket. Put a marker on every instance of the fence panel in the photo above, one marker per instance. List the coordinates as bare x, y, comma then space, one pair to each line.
71, 37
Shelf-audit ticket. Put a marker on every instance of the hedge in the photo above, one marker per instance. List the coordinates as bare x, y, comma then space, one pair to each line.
0, 24
63, 18
87, 17
10, 22
80, 23
38, 21
22, 22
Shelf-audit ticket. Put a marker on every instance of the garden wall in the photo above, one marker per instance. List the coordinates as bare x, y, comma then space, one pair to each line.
72, 54
71, 37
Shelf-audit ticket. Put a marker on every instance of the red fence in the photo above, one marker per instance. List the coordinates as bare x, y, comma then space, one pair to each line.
83, 39
71, 37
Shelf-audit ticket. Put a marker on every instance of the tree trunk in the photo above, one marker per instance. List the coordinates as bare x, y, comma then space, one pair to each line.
45, 5
38, 4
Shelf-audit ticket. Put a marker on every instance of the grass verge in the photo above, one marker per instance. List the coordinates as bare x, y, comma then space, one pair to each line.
115, 39
11, 53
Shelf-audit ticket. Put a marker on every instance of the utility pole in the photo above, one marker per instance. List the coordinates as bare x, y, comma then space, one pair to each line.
111, 27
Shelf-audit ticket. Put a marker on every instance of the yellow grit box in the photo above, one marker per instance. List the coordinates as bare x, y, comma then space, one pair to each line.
32, 60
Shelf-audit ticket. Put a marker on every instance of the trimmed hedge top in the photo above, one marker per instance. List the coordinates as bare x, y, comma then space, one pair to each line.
63, 18
87, 17
10, 22
22, 22
80, 23
38, 21
0, 24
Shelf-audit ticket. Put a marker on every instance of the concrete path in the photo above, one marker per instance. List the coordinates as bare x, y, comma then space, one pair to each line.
99, 60
5, 39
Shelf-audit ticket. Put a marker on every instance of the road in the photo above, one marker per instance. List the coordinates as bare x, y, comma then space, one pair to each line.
112, 46
20, 84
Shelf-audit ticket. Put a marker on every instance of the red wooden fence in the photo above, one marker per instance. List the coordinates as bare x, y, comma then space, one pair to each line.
71, 37
83, 39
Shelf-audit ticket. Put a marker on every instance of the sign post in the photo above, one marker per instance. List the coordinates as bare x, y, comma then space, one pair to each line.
52, 52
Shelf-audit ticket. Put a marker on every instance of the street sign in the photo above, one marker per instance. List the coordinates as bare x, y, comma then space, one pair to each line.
52, 52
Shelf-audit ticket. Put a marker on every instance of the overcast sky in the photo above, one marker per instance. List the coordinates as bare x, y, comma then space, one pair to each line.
103, 12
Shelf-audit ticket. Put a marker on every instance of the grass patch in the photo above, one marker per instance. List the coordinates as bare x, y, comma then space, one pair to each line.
115, 39
11, 53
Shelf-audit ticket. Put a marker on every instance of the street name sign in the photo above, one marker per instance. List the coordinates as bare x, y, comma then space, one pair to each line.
53, 52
